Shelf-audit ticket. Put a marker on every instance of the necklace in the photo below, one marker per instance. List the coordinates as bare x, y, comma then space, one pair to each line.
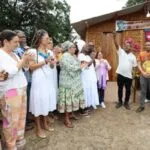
44, 55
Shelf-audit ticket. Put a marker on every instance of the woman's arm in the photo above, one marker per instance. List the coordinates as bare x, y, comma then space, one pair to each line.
115, 41
108, 65
33, 65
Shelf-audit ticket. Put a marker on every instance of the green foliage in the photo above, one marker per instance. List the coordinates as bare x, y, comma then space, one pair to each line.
133, 2
31, 15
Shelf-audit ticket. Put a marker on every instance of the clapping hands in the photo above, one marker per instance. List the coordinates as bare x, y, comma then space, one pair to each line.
27, 57
83, 65
3, 75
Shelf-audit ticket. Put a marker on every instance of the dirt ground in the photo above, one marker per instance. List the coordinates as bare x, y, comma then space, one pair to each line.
105, 129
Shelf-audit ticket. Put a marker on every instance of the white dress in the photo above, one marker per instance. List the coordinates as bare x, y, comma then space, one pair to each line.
43, 90
89, 80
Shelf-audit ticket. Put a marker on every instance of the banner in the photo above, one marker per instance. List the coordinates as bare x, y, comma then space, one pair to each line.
122, 25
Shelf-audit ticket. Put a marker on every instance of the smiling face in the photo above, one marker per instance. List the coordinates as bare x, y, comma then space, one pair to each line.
45, 39
72, 49
12, 44
22, 39
127, 47
100, 55
50, 44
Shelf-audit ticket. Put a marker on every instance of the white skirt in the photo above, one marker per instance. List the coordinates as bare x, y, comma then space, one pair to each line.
90, 93
43, 94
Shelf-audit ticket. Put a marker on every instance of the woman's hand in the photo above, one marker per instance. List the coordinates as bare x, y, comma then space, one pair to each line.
27, 57
83, 65
3, 75
145, 74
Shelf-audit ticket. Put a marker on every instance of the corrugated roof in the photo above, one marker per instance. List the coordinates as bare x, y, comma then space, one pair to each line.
81, 26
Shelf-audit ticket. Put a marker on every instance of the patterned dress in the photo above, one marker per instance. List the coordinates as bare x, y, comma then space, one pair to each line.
71, 96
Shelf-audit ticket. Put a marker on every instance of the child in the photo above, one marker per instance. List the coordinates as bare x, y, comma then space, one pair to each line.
102, 68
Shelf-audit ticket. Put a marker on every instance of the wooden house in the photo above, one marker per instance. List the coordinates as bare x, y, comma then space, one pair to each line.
99, 30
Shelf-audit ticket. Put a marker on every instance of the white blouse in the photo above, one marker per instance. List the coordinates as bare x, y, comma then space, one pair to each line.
16, 78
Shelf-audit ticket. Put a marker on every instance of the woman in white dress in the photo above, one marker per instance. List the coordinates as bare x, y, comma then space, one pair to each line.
89, 79
43, 91
53, 67
54, 81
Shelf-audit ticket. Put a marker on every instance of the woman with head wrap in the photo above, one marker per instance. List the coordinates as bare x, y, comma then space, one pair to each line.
70, 87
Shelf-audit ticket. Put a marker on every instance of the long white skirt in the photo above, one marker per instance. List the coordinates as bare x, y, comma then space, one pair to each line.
43, 93
90, 93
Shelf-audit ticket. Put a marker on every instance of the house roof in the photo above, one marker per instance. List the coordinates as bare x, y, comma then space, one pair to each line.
81, 26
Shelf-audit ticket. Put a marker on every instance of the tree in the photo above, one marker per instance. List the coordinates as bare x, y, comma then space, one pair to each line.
133, 2
31, 15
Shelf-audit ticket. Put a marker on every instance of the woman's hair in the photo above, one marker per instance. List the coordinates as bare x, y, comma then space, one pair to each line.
97, 54
6, 35
37, 37
87, 49
77, 50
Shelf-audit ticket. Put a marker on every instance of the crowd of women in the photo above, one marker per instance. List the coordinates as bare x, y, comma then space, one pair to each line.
58, 78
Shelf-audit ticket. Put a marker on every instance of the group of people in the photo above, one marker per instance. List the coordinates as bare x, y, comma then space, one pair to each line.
128, 63
44, 78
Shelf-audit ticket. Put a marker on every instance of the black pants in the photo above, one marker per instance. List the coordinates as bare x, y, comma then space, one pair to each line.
28, 99
121, 82
101, 93
148, 93
58, 74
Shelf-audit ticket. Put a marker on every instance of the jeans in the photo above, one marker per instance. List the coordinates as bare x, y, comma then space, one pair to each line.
145, 84
101, 93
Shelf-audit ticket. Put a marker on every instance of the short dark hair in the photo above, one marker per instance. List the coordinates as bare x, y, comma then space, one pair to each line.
6, 35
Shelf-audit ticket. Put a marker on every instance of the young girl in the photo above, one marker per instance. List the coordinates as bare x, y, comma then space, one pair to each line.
102, 68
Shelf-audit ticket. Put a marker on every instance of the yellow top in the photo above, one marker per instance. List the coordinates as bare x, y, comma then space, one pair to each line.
146, 66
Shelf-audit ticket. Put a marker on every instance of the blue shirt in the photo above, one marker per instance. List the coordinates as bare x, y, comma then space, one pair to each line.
19, 52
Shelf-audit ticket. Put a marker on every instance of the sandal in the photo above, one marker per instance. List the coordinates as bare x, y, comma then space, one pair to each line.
21, 143
49, 129
41, 135
68, 124
74, 117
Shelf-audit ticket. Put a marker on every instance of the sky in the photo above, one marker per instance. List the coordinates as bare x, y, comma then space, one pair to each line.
84, 9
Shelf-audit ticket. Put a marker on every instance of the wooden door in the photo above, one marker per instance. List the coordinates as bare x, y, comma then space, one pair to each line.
109, 52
